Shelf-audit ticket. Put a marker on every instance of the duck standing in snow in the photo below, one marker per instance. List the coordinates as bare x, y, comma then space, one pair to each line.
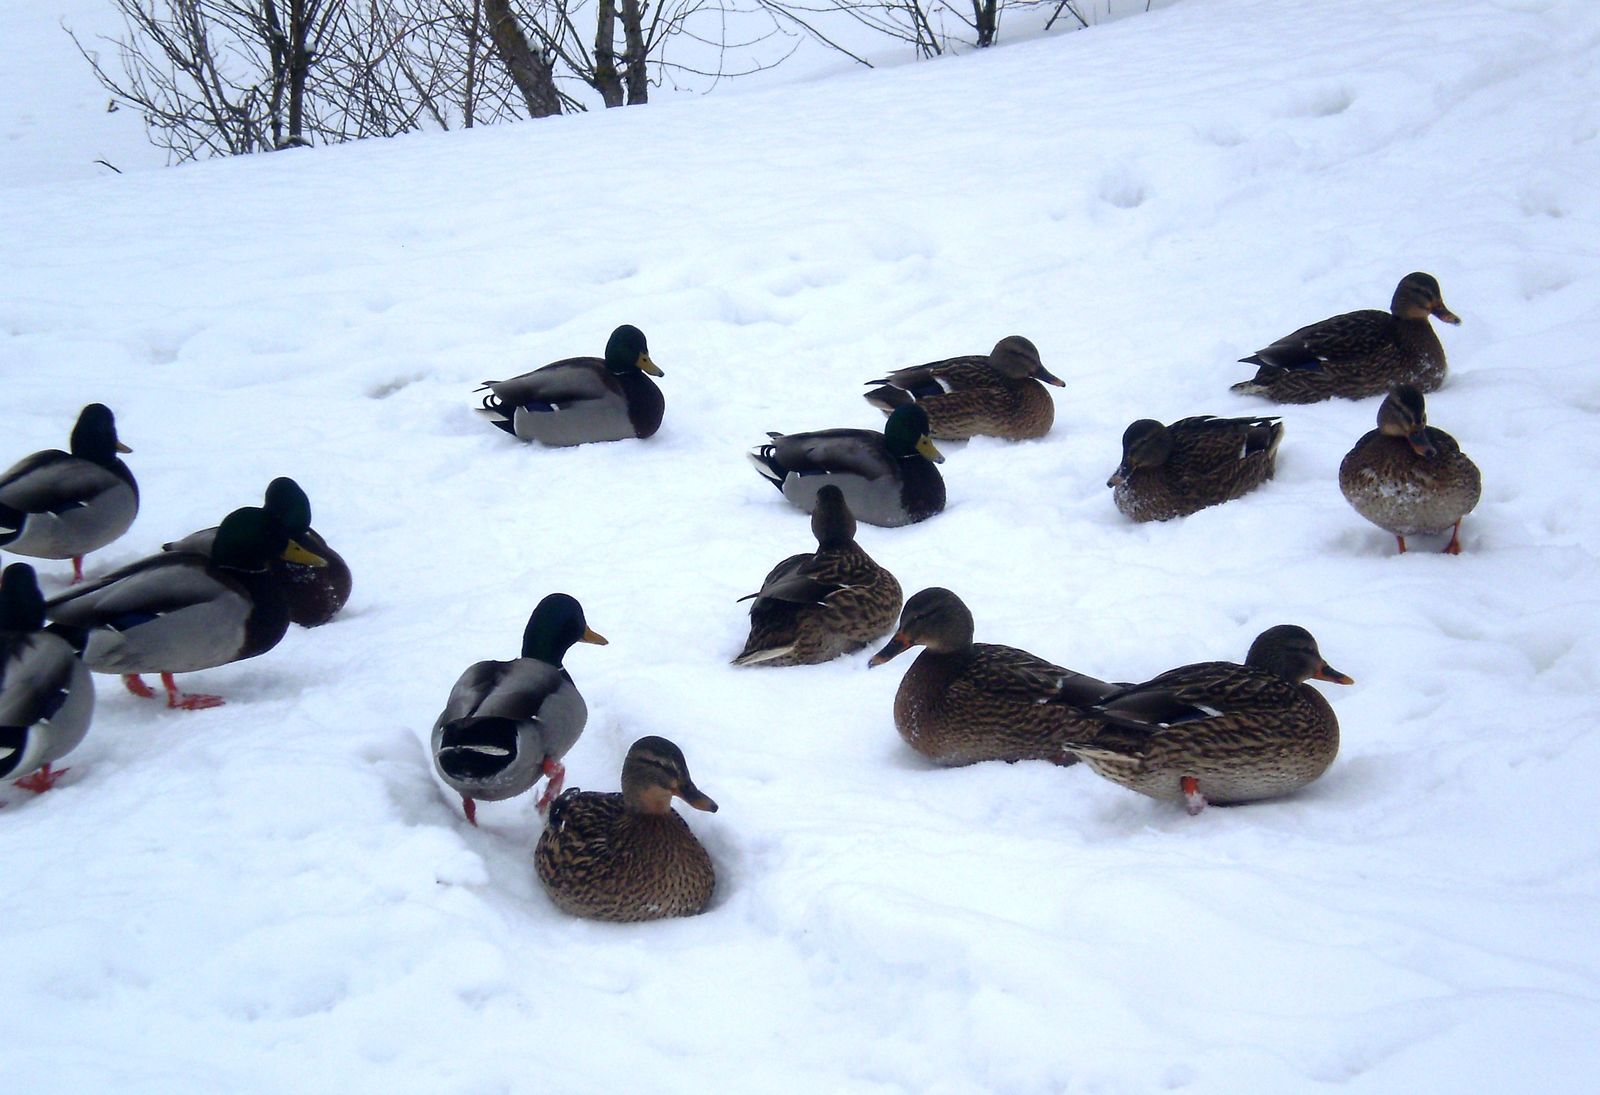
46, 693
963, 702
1358, 354
1407, 477
582, 399
629, 856
815, 606
1219, 732
1000, 395
1173, 471
508, 723
887, 478
63, 505
180, 611
315, 593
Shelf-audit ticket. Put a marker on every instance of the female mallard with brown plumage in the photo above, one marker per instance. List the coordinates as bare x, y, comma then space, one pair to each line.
1218, 732
815, 606
999, 395
963, 702
1173, 471
629, 856
1358, 354
1407, 477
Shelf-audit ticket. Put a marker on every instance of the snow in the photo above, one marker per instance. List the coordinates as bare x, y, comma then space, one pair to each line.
278, 894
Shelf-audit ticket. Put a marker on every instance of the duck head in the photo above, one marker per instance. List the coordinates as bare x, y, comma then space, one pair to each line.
1404, 415
1017, 357
289, 504
832, 523
906, 434
95, 435
21, 603
653, 772
250, 538
1145, 444
557, 622
934, 618
627, 349
1291, 653
1418, 297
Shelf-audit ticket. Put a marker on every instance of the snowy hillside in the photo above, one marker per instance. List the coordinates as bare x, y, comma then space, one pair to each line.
278, 895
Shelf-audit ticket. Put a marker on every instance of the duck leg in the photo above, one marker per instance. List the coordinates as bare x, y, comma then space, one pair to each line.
1401, 540
135, 684
557, 774
1454, 546
470, 808
41, 781
191, 701
1192, 797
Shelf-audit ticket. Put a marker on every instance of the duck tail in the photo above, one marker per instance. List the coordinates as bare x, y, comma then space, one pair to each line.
494, 409
888, 397
477, 747
765, 459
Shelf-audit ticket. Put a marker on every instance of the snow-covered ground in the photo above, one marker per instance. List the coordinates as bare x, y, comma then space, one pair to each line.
277, 895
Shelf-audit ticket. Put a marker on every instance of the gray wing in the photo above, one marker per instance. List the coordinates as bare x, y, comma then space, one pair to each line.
855, 452
53, 481
197, 542
574, 380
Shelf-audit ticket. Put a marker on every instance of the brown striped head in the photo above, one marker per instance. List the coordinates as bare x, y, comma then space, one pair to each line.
1418, 297
1403, 414
653, 772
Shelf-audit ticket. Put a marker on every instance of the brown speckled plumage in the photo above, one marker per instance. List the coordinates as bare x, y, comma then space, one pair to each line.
816, 606
1407, 477
1241, 732
1173, 471
963, 702
998, 394
628, 856
1358, 354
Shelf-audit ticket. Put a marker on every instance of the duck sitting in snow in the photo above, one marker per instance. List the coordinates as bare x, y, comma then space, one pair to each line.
999, 395
815, 606
46, 694
1358, 354
963, 702
887, 478
582, 399
315, 593
1173, 471
63, 505
1407, 477
1218, 732
629, 856
179, 611
508, 723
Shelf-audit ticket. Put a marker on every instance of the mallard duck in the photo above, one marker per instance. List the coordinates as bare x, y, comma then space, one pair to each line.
46, 695
1172, 471
999, 395
818, 605
630, 856
887, 478
63, 505
1221, 733
315, 593
962, 702
508, 723
1407, 477
179, 611
582, 399
1358, 354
